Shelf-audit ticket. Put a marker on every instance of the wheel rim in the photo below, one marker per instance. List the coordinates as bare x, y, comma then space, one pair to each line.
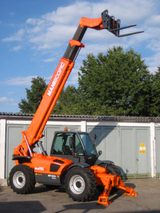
77, 184
19, 179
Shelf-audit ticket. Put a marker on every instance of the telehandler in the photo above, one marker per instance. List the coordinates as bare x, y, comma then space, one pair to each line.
78, 171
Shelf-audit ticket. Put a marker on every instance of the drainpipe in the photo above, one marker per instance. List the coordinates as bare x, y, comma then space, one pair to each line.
2, 151
153, 149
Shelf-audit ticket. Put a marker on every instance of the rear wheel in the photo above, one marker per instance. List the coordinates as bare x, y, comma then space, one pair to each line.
80, 184
22, 179
113, 169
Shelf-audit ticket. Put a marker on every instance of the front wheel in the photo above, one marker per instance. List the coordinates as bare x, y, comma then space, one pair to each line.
80, 184
22, 179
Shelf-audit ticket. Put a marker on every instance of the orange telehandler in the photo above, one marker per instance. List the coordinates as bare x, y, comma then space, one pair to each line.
81, 178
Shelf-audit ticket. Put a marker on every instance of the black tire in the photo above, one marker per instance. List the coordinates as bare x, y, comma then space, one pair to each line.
80, 184
22, 179
113, 169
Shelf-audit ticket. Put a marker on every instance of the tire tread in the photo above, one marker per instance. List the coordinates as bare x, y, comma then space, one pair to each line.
30, 179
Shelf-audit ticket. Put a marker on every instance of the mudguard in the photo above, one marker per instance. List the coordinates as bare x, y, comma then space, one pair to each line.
98, 162
82, 165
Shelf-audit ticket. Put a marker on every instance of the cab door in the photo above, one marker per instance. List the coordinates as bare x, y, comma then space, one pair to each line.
63, 148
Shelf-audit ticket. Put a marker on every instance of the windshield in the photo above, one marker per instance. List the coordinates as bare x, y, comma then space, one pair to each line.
62, 144
89, 146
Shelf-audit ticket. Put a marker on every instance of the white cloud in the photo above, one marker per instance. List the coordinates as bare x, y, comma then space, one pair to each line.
16, 37
16, 48
31, 21
18, 81
69, 14
5, 100
154, 45
153, 21
52, 37
11, 92
73, 78
22, 81
153, 62
53, 30
49, 60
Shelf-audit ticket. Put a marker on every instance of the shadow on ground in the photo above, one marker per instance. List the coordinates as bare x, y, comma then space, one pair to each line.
88, 207
21, 207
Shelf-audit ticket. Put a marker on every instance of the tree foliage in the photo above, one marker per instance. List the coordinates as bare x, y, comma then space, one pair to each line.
117, 83
34, 96
67, 103
155, 94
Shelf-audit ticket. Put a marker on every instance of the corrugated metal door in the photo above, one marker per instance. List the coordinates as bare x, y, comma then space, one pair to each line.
143, 152
107, 141
128, 151
49, 134
136, 151
14, 138
127, 147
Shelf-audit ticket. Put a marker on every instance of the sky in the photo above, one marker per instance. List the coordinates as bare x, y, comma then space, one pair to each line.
34, 35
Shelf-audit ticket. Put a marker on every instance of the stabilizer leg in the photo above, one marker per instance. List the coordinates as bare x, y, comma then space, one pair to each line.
104, 197
129, 191
109, 181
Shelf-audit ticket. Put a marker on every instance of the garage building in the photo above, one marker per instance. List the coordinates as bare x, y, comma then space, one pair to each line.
132, 143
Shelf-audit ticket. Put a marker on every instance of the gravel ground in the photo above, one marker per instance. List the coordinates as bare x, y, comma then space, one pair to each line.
56, 200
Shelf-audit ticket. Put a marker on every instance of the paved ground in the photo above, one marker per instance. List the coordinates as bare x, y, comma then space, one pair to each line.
44, 200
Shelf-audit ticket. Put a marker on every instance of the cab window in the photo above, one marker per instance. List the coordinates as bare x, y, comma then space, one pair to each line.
62, 144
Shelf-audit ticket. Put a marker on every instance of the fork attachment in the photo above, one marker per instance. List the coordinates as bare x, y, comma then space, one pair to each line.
109, 181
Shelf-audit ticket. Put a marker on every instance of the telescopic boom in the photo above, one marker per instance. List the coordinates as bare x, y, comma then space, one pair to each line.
50, 97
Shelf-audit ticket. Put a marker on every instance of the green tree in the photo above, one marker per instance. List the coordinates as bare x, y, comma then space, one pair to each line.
117, 83
67, 102
155, 94
34, 96
91, 88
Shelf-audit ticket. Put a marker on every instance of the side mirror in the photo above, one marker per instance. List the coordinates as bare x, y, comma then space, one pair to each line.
95, 136
99, 152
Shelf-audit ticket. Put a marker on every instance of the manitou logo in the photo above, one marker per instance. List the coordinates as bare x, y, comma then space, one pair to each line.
55, 78
39, 168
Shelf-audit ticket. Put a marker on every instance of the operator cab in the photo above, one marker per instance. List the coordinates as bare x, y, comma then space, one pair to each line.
75, 146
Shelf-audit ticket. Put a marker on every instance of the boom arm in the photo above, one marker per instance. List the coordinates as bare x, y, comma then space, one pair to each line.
50, 97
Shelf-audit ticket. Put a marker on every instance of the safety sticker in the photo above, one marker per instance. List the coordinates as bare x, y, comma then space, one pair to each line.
142, 148
52, 176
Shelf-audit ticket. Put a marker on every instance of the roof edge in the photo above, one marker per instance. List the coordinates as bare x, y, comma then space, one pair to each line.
22, 116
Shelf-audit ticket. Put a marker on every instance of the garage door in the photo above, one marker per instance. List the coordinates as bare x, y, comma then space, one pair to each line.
127, 147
